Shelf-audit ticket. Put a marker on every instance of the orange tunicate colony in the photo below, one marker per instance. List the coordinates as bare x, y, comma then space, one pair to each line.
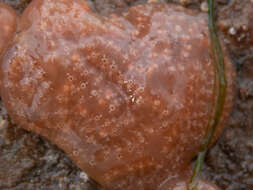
8, 25
126, 96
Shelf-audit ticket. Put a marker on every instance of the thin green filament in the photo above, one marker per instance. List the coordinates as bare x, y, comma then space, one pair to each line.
219, 68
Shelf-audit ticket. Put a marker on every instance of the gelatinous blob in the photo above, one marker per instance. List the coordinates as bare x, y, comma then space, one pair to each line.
7, 25
127, 96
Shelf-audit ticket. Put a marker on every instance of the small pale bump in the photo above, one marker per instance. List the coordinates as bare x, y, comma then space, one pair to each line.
66, 88
76, 153
178, 28
76, 57
164, 124
140, 100
94, 93
97, 118
157, 102
103, 134
112, 108
186, 54
172, 68
83, 85
188, 47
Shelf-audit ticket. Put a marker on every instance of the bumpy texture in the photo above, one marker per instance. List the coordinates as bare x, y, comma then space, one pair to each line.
127, 97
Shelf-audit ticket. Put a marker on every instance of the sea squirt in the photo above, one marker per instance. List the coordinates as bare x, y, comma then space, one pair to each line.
8, 24
127, 96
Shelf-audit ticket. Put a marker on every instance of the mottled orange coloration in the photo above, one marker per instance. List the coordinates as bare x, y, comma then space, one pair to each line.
7, 25
127, 97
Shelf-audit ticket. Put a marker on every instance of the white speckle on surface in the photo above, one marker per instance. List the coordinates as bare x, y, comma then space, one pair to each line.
232, 31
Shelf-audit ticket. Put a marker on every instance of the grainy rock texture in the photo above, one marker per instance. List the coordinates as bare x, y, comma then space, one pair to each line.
226, 166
